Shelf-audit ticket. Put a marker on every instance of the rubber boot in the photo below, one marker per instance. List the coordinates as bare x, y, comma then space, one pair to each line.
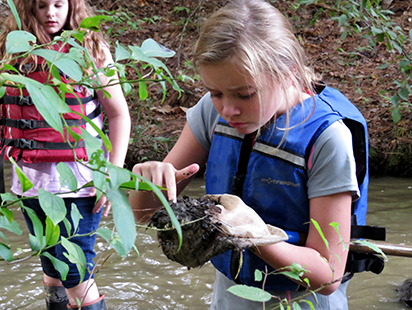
98, 304
56, 298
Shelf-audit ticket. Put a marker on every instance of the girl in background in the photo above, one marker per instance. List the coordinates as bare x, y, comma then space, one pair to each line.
46, 19
272, 133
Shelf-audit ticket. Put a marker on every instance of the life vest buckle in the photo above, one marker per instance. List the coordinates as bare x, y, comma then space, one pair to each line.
25, 144
26, 123
24, 101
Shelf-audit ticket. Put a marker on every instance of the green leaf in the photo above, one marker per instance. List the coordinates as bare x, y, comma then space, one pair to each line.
59, 265
9, 197
153, 49
13, 226
250, 293
372, 246
7, 213
93, 23
46, 101
5, 252
106, 141
15, 13
138, 54
258, 275
291, 274
76, 54
68, 226
2, 235
35, 243
127, 88
396, 115
395, 100
404, 94
2, 90
26, 184
375, 30
113, 239
320, 232
37, 228
121, 52
18, 41
93, 144
397, 47
56, 76
336, 226
78, 35
143, 90
99, 179
123, 217
52, 205
383, 67
52, 232
67, 177
295, 306
117, 176
380, 37
61, 61
76, 216
75, 255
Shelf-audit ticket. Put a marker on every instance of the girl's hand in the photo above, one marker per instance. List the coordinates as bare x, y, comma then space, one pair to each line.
165, 175
103, 201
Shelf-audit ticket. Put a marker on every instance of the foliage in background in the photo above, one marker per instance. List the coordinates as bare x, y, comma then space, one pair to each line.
368, 18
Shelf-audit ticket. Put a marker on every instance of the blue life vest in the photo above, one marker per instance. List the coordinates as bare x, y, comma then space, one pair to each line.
275, 183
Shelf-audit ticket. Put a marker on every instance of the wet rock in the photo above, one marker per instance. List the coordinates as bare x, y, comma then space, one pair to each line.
405, 290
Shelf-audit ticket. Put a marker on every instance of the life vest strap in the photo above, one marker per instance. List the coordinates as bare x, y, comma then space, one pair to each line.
26, 100
35, 124
41, 145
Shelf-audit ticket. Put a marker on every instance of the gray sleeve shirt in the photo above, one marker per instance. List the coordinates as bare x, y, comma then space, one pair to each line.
331, 166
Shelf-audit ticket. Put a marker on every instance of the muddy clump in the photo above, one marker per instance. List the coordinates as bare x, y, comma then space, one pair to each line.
211, 225
203, 237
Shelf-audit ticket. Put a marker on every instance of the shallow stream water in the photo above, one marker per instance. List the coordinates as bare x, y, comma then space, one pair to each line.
149, 281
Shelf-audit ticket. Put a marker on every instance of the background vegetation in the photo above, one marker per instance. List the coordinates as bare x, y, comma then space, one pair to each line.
359, 47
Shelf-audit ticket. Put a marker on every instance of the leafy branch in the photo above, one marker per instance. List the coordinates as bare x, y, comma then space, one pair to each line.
108, 179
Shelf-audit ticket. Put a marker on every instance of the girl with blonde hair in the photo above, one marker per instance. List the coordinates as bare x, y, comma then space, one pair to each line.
274, 135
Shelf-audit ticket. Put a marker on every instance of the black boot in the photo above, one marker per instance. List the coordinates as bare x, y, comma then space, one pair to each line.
98, 304
56, 298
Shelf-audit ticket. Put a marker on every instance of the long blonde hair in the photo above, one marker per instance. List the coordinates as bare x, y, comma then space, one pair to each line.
257, 36
78, 10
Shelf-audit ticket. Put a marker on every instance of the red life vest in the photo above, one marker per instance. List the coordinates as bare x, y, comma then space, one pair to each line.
27, 136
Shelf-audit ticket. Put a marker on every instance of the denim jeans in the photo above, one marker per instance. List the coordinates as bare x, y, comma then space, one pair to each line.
87, 224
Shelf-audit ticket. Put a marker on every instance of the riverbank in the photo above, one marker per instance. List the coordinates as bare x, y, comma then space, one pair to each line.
364, 75
344, 64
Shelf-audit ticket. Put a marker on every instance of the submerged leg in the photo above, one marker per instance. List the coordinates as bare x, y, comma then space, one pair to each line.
56, 297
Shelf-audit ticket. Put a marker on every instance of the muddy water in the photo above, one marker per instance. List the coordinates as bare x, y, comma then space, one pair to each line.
149, 281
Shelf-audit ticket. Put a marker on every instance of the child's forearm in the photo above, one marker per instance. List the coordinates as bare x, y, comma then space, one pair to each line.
119, 135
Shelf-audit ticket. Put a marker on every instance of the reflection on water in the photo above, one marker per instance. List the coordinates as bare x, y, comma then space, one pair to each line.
390, 206
148, 280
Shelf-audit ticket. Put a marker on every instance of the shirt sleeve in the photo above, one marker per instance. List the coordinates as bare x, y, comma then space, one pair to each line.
202, 119
331, 164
